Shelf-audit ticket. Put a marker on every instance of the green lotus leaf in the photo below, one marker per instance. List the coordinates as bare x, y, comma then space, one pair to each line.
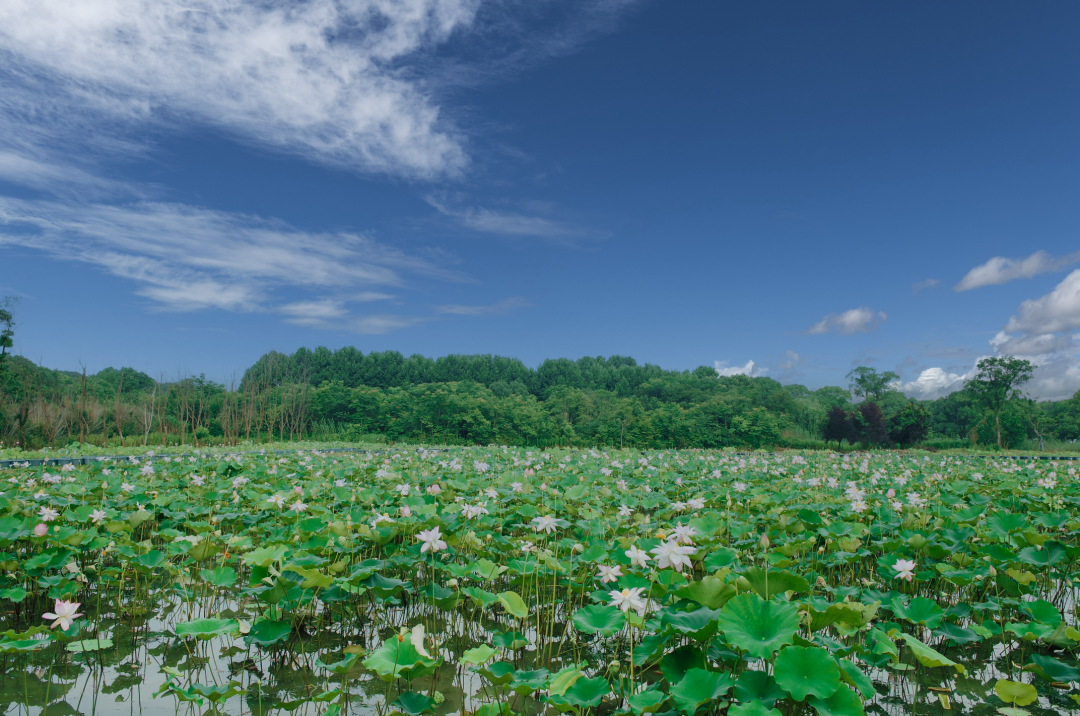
957, 634
852, 675
268, 632
753, 708
758, 686
700, 623
477, 656
1016, 693
758, 627
219, 576
512, 640
768, 584
709, 592
265, 556
86, 645
675, 664
1051, 553
514, 604
340, 668
207, 628
647, 701
920, 610
584, 693
412, 703
16, 646
806, 671
15, 594
526, 682
597, 619
397, 656
699, 686
927, 656
843, 702
1042, 611
564, 679
1052, 669
498, 674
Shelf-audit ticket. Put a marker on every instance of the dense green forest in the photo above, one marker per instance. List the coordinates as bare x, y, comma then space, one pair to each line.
483, 399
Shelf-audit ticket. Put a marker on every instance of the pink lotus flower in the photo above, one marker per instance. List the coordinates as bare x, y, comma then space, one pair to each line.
65, 614
41, 530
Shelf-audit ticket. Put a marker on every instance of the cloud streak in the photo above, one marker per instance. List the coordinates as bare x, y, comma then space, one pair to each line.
855, 320
187, 258
999, 269
726, 371
504, 306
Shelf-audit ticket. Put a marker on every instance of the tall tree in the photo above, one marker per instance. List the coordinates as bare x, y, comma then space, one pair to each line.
7, 328
837, 426
997, 380
868, 384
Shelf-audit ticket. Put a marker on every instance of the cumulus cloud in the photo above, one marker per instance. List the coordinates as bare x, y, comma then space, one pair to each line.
1058, 310
922, 285
1000, 270
504, 306
933, 383
751, 369
187, 258
855, 320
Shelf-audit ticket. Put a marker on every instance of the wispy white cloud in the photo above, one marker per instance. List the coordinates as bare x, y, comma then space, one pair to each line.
923, 285
504, 306
321, 79
187, 258
1000, 270
751, 369
514, 224
855, 320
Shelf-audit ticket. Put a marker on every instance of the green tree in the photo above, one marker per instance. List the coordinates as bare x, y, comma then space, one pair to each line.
996, 381
7, 328
910, 424
868, 384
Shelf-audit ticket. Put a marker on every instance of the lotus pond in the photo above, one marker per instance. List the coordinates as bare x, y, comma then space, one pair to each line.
497, 581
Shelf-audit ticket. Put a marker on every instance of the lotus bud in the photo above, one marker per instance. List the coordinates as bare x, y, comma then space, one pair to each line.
764, 541
41, 530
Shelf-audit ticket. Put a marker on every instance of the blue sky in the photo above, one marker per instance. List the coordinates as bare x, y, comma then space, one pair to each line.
804, 186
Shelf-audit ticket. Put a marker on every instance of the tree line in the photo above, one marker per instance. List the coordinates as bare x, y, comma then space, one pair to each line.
482, 399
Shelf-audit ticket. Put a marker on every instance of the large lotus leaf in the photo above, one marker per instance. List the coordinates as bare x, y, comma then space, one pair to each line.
698, 687
767, 584
758, 686
927, 656
219, 576
806, 671
396, 657
264, 556
753, 708
699, 623
758, 627
412, 703
1016, 693
16, 646
268, 632
843, 702
339, 667
1042, 611
584, 693
597, 619
1051, 553
709, 592
526, 682
957, 634
920, 610
85, 645
207, 628
477, 656
851, 674
1003, 523
675, 664
514, 604
564, 679
15, 594
498, 674
647, 701
1052, 670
